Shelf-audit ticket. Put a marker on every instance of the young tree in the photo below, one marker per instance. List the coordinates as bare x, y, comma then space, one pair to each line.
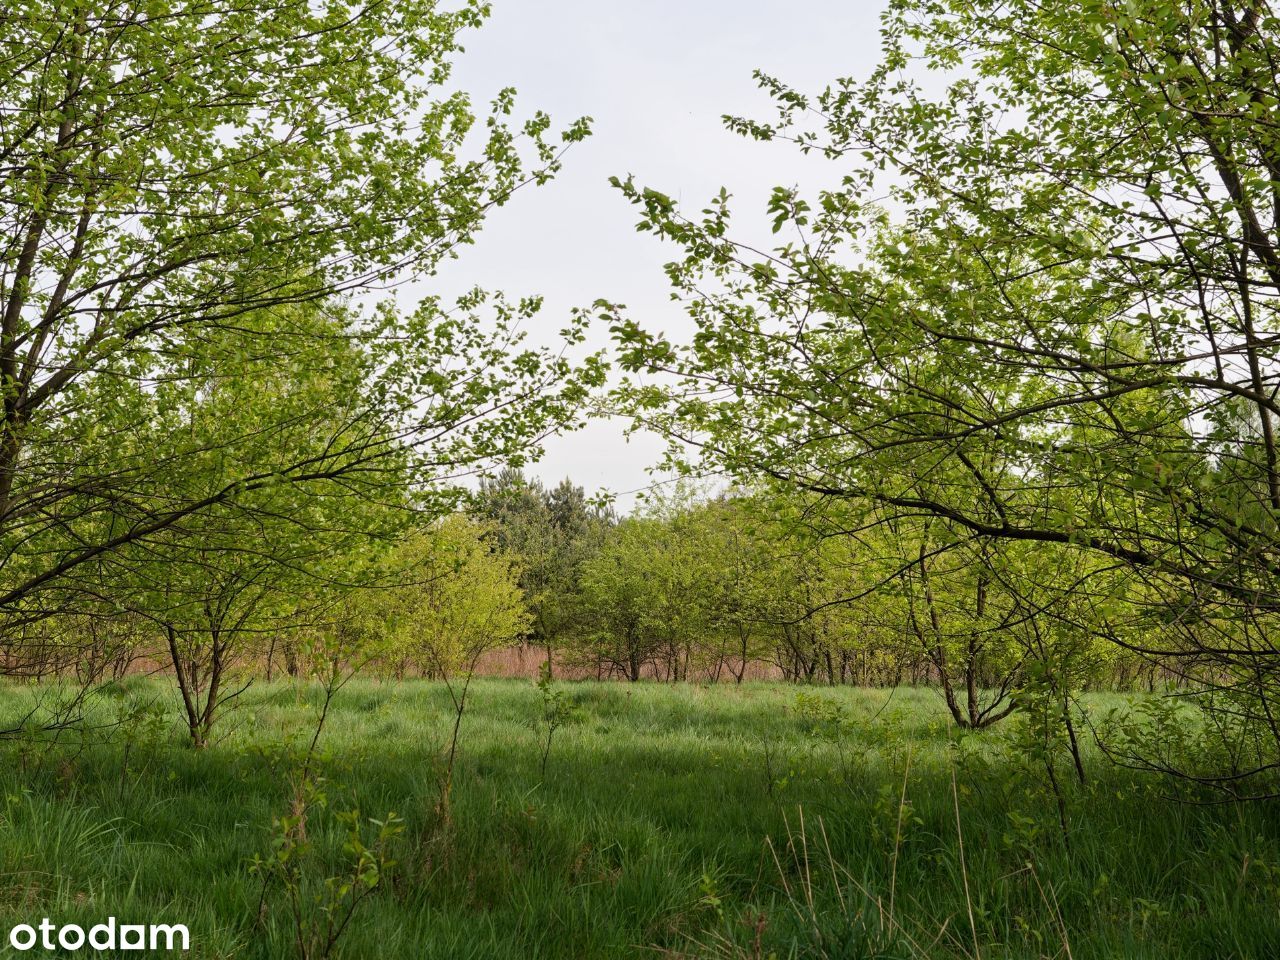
452, 596
222, 582
735, 582
618, 600
665, 590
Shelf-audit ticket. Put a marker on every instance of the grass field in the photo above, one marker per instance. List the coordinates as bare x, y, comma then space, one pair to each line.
673, 821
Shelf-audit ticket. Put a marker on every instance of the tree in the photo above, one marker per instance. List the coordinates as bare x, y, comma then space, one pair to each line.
670, 586
737, 582
453, 596
1066, 320
179, 171
552, 532
224, 581
643, 599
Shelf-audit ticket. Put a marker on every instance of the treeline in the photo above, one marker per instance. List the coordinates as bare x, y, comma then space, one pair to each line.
687, 588
724, 587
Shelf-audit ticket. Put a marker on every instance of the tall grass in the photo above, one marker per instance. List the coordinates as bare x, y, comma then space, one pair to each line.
671, 820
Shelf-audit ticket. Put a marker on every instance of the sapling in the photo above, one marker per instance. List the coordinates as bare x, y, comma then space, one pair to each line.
321, 912
557, 710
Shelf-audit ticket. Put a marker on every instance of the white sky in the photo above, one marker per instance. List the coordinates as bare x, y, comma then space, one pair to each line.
656, 77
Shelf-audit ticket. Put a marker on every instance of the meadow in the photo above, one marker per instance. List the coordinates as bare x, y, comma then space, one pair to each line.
756, 821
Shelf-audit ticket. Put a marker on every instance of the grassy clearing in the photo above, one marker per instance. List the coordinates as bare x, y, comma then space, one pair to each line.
690, 821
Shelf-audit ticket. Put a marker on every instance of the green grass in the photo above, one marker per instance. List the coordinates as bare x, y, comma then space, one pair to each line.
669, 824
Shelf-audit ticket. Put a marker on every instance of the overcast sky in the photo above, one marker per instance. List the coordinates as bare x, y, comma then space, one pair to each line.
656, 77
